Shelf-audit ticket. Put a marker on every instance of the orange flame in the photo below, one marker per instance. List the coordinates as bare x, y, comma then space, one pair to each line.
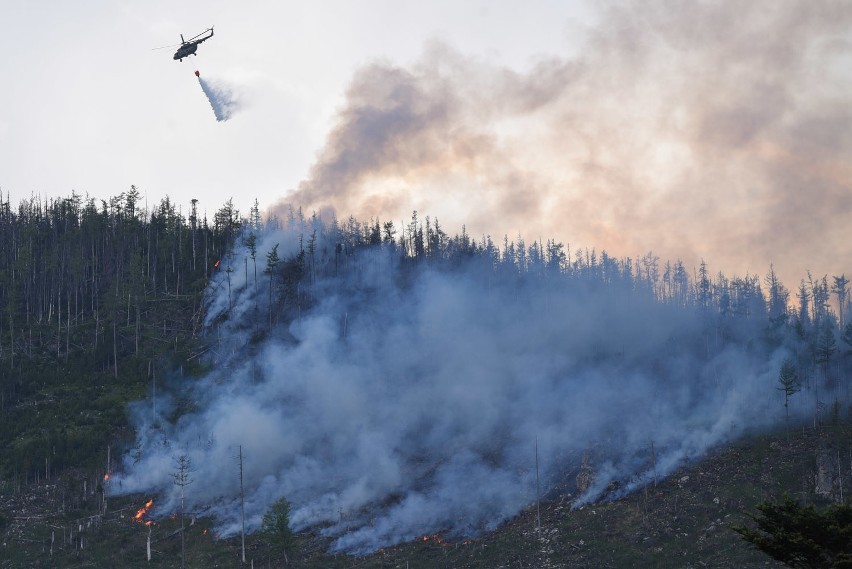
435, 538
142, 511
106, 476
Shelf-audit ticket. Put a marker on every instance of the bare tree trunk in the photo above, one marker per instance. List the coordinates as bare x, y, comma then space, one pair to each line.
182, 479
137, 325
58, 324
242, 506
114, 350
11, 342
654, 462
67, 329
537, 492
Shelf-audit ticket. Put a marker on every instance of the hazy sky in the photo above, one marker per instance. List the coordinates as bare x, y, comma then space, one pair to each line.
720, 129
87, 105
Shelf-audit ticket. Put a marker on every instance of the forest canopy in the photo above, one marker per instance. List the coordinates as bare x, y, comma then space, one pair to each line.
107, 302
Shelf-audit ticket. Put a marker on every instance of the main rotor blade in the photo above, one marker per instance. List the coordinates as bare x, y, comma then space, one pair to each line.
210, 29
165, 46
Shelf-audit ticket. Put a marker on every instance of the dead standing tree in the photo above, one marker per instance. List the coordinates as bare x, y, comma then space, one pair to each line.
182, 479
788, 380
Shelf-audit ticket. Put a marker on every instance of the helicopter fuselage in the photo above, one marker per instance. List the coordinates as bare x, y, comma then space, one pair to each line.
186, 50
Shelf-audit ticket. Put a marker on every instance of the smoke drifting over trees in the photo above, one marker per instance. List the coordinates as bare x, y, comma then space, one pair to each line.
711, 128
394, 381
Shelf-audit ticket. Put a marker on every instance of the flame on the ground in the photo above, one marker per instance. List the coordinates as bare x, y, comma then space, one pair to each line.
437, 539
140, 513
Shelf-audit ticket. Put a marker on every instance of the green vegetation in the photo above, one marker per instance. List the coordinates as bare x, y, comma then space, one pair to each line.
276, 527
98, 303
801, 536
101, 302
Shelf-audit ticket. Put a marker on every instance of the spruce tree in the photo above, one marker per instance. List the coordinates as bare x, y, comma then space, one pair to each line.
801, 536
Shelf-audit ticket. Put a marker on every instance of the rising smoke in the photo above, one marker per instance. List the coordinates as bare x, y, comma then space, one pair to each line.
400, 401
391, 400
717, 129
221, 97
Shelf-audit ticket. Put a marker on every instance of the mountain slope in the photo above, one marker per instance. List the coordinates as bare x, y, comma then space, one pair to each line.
684, 521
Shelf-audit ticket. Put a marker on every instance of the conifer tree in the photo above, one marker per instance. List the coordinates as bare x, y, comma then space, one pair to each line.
276, 526
271, 265
841, 289
788, 380
182, 478
802, 537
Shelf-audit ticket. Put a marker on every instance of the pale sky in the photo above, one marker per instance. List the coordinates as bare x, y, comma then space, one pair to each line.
719, 130
87, 105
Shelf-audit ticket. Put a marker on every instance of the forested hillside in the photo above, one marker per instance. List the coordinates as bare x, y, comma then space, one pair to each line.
96, 299
389, 380
393, 380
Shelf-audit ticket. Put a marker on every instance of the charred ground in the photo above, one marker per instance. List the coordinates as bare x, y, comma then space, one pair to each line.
683, 521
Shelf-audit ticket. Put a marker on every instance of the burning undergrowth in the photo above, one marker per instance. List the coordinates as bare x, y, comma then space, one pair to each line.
142, 514
388, 397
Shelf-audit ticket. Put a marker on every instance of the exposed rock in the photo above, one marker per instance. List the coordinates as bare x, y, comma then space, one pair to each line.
586, 477
826, 482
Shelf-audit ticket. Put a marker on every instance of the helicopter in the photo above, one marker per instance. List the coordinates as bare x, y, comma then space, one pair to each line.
190, 46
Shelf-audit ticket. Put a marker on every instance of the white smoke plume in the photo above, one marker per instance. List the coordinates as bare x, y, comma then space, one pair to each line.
717, 129
222, 98
406, 401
